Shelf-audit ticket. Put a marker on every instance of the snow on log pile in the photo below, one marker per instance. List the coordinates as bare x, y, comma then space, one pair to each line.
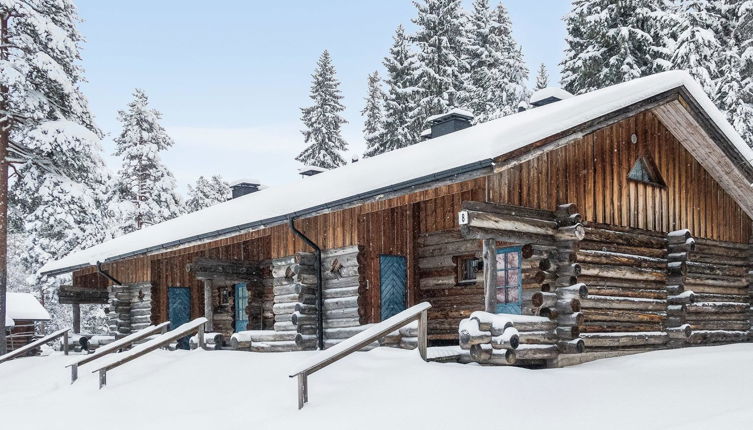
718, 275
626, 273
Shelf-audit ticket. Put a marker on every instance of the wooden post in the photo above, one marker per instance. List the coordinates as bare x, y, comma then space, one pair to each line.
65, 343
423, 322
76, 318
208, 309
200, 335
303, 395
74, 373
490, 275
102, 378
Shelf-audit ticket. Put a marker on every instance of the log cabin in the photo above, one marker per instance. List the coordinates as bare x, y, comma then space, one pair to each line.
23, 312
611, 222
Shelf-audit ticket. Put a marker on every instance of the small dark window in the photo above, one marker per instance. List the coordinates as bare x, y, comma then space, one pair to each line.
467, 267
644, 170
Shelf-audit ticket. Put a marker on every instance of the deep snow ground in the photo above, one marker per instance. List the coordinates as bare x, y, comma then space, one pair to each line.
694, 388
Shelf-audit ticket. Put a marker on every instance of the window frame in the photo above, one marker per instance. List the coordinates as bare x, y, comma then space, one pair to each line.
460, 269
651, 169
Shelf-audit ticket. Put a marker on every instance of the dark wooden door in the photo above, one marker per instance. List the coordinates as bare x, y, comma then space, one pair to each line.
179, 310
393, 276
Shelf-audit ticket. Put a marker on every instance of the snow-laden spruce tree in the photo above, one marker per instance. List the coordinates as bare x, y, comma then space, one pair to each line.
57, 203
609, 42
697, 47
207, 192
734, 83
322, 120
373, 113
442, 69
402, 117
542, 77
498, 75
145, 187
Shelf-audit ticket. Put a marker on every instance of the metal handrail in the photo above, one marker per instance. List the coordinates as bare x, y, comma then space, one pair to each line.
50, 337
114, 346
184, 330
354, 343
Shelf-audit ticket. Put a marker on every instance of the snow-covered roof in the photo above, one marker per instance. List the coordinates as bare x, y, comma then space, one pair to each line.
249, 181
23, 306
305, 169
428, 159
549, 93
454, 111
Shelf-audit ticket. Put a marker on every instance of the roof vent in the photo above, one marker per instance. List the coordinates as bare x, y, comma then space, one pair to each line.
549, 95
242, 187
446, 123
310, 171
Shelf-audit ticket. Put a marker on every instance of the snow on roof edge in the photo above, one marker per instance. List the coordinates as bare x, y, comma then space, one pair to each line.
492, 139
24, 306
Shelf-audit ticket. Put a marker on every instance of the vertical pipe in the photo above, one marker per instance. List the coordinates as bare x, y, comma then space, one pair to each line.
319, 286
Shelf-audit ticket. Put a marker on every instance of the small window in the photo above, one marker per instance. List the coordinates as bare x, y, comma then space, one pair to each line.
509, 280
467, 267
644, 170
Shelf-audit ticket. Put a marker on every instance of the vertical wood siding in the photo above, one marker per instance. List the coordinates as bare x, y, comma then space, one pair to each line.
593, 172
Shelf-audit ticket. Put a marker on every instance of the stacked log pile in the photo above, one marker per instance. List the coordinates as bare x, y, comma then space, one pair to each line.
626, 273
718, 275
488, 339
294, 308
437, 281
130, 308
343, 277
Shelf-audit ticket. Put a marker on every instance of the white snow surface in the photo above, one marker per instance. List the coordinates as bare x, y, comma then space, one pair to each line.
23, 306
490, 140
547, 92
690, 389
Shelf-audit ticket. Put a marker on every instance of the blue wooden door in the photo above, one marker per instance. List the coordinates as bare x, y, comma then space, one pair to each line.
509, 281
179, 310
393, 277
241, 302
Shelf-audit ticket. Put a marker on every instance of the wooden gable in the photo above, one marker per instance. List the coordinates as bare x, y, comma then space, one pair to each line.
593, 172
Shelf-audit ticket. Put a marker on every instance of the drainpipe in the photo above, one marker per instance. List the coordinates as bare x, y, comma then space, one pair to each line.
319, 285
105, 274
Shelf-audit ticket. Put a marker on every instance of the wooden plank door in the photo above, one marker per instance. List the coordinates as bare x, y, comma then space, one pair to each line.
393, 279
241, 303
179, 310
509, 281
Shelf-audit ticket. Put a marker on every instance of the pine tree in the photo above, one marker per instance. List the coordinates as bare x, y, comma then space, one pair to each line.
322, 120
207, 192
373, 126
735, 61
697, 49
542, 78
402, 119
442, 69
57, 204
145, 187
610, 42
498, 74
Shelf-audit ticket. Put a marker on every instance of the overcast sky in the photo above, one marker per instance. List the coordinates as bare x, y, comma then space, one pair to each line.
230, 77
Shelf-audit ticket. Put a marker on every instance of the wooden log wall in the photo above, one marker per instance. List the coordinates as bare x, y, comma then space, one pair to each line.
593, 173
718, 275
625, 270
437, 281
294, 306
344, 287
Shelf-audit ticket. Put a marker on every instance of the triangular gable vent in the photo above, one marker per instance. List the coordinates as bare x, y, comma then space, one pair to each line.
644, 170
